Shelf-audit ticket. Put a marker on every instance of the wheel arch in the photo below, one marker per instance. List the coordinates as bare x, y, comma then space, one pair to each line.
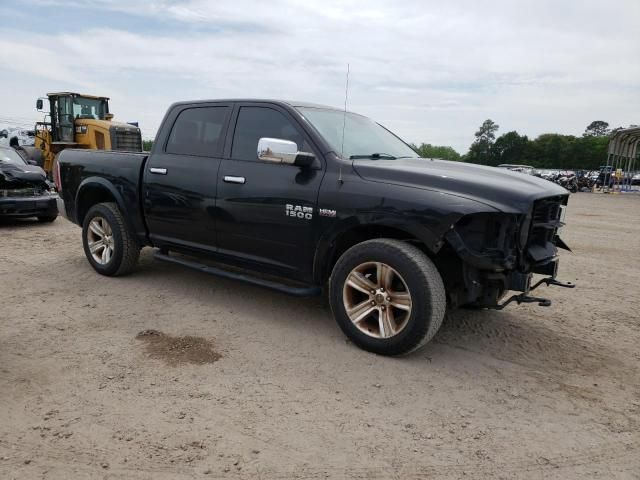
333, 246
94, 190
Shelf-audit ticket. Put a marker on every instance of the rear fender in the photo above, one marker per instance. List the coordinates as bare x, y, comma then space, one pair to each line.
93, 184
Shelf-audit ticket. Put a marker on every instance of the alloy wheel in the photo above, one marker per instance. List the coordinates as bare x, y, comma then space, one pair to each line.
100, 240
377, 299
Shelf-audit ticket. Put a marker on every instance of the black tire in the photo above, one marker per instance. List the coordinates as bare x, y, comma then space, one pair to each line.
47, 219
422, 279
126, 249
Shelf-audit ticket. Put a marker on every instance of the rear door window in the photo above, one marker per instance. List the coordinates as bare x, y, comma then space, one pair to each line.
199, 132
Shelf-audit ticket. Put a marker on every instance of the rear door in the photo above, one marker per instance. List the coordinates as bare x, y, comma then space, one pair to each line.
267, 212
179, 187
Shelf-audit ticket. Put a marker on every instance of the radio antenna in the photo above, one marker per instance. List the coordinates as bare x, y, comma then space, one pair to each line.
344, 122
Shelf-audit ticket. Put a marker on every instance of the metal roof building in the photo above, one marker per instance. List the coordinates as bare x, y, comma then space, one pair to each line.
622, 154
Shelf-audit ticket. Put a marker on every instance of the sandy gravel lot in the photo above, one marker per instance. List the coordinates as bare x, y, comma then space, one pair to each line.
523, 393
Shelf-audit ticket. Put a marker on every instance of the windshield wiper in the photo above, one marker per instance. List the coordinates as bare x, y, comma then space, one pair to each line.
374, 156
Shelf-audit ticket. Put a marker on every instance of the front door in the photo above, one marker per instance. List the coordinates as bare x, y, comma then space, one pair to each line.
267, 212
65, 119
180, 177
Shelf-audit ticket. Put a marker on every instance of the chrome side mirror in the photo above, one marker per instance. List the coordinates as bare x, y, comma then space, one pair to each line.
276, 150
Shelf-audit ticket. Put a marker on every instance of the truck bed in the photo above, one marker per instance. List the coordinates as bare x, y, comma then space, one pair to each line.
119, 173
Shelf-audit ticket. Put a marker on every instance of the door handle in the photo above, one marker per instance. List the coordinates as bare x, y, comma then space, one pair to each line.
231, 179
159, 171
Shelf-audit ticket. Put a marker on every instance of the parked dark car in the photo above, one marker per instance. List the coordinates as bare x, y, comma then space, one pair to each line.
276, 191
24, 189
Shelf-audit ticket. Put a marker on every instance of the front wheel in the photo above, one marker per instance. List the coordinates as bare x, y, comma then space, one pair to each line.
387, 296
108, 244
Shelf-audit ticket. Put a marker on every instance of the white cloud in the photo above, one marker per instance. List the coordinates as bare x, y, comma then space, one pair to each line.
429, 70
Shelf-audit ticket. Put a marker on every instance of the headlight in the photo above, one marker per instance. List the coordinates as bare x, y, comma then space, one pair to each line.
489, 231
82, 129
563, 213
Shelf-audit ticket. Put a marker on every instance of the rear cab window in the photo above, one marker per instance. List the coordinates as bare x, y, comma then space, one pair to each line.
198, 131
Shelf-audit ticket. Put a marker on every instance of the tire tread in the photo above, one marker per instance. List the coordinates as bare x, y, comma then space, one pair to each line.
130, 247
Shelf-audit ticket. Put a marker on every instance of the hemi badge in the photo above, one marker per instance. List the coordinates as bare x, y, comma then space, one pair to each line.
325, 212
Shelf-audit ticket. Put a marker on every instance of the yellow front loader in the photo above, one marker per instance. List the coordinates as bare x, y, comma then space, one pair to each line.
81, 121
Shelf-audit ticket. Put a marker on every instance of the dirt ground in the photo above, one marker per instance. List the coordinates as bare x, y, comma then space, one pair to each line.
98, 380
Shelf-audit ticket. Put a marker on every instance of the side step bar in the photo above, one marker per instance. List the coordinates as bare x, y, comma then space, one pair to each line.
281, 287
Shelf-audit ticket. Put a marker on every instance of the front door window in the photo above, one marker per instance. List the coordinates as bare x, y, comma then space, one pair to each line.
65, 119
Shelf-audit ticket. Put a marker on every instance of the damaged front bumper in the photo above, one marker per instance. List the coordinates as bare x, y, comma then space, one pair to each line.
20, 207
502, 252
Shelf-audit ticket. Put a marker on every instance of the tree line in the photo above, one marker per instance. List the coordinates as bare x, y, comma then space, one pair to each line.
550, 150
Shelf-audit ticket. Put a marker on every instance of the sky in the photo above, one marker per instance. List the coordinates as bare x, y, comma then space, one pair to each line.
431, 71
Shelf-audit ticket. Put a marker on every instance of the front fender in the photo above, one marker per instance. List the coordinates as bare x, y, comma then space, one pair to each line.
388, 225
327, 244
422, 214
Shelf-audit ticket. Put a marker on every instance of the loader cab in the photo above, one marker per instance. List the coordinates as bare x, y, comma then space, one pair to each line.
81, 121
66, 108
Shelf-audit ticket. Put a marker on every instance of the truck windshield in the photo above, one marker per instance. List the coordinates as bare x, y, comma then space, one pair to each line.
92, 108
363, 138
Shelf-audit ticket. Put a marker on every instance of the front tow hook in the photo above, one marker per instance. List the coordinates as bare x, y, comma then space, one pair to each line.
525, 298
552, 281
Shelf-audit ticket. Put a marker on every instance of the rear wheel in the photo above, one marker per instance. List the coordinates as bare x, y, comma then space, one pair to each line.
387, 296
108, 244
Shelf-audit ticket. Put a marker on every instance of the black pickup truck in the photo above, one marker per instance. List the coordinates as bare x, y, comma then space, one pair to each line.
306, 199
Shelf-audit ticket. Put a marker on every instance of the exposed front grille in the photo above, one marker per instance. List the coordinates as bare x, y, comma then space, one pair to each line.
546, 210
545, 220
22, 192
126, 140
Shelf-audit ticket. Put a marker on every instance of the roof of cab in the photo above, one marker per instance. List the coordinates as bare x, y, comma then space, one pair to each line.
290, 103
60, 94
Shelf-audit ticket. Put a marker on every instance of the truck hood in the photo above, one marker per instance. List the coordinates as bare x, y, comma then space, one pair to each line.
502, 189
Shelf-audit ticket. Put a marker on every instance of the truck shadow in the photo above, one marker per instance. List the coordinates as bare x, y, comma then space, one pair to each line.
179, 280
515, 335
8, 222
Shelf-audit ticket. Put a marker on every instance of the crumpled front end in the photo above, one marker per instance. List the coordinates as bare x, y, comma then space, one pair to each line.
25, 192
502, 251
21, 176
